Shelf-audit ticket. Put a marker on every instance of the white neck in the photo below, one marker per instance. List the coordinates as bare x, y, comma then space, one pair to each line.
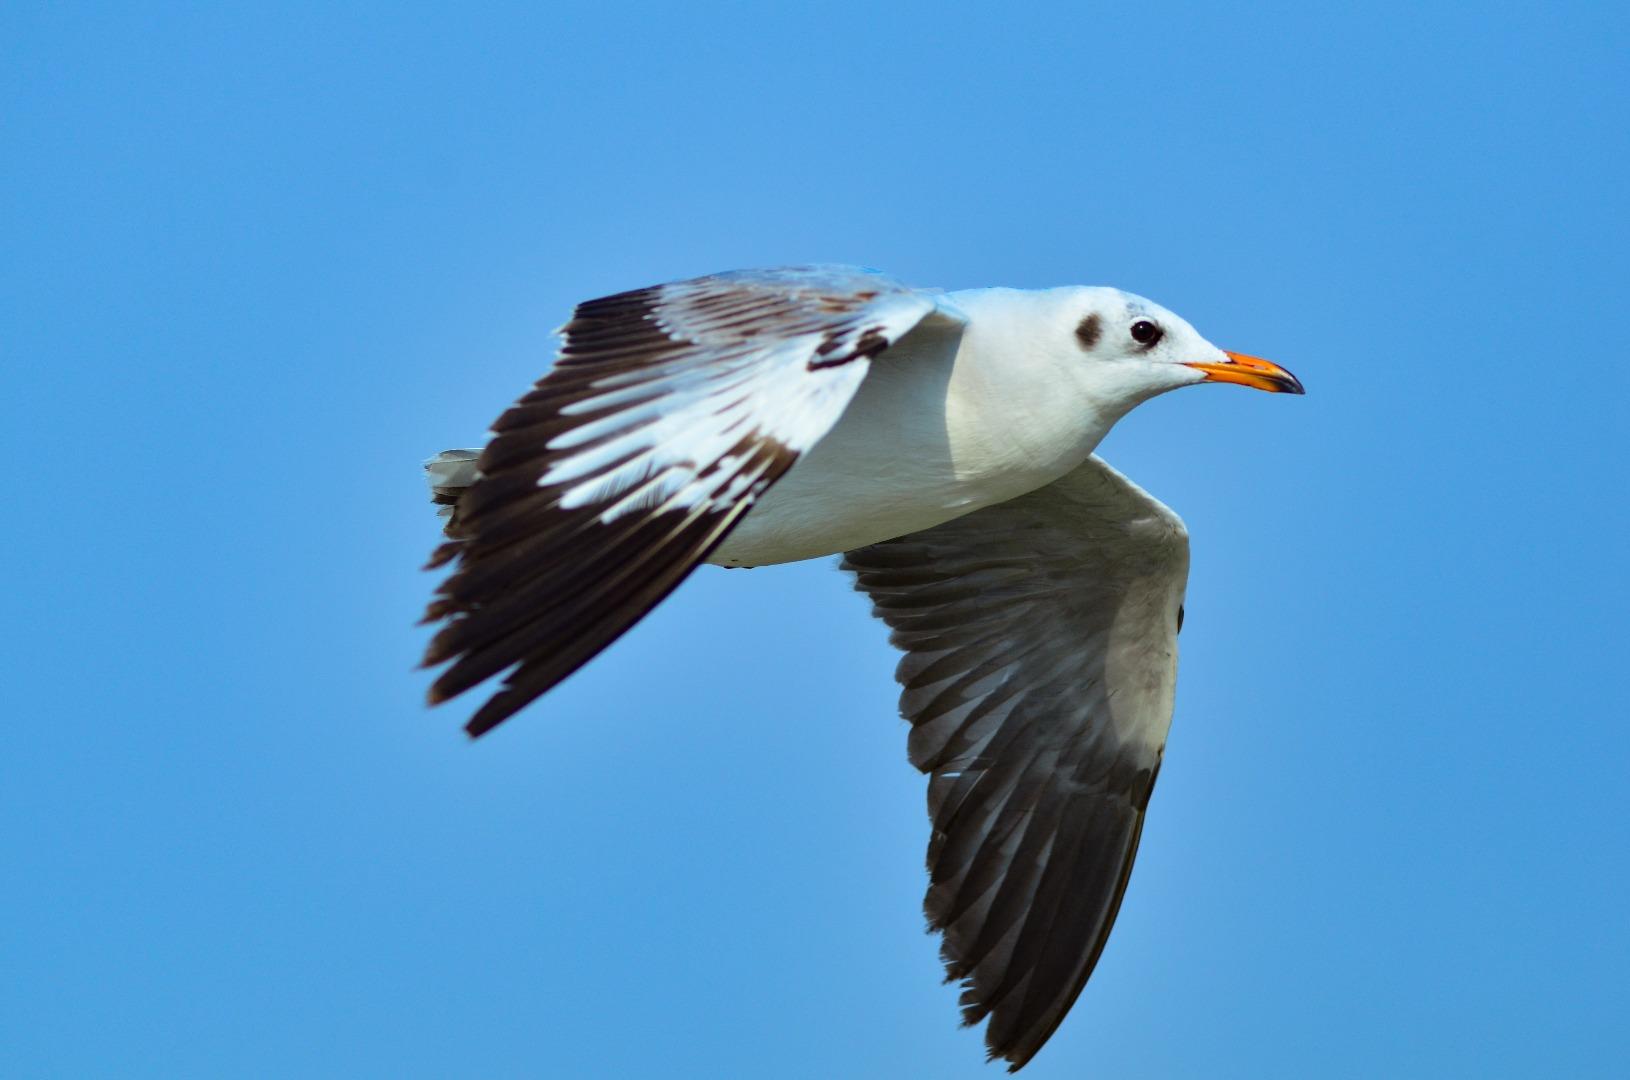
1016, 415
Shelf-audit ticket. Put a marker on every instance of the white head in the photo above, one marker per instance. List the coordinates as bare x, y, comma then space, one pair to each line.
1115, 349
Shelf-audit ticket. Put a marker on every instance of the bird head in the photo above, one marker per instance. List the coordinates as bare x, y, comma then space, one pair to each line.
1130, 347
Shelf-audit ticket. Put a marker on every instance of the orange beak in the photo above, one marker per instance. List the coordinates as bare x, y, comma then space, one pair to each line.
1252, 371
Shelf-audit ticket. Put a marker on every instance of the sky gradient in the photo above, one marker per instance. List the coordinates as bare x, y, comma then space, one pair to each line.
260, 263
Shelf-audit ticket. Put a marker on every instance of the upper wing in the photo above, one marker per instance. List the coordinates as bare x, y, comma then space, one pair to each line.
1041, 655
668, 412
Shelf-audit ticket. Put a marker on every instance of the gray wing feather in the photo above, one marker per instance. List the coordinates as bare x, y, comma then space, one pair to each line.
1041, 654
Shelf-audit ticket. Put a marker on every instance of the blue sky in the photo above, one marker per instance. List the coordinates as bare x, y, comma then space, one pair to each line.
261, 262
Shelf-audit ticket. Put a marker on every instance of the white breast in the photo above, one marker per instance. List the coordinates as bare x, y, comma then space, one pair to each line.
943, 425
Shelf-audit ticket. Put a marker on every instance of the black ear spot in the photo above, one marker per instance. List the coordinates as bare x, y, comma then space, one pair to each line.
1179, 618
1090, 330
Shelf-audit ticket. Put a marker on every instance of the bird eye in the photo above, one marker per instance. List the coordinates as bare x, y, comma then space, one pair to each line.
1146, 333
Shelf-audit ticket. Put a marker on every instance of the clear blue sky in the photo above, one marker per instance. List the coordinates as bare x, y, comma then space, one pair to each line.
258, 264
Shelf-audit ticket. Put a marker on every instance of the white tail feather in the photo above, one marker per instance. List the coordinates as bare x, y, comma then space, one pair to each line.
448, 474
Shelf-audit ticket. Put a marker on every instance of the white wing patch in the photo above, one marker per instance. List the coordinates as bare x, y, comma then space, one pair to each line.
669, 411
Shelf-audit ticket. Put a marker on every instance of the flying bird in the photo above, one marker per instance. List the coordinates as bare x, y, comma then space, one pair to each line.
942, 443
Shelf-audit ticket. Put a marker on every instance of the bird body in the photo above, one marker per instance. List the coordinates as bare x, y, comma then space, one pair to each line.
944, 444
959, 414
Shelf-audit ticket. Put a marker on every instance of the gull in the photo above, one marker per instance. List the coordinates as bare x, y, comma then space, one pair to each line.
942, 443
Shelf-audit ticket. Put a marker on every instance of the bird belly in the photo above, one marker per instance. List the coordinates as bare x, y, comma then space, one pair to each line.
896, 462
815, 511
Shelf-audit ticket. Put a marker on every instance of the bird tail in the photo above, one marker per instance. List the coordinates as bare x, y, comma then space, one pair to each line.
450, 473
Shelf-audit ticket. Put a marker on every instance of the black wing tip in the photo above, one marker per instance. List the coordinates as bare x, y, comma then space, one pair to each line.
489, 716
1016, 1054
1014, 1059
444, 554
498, 708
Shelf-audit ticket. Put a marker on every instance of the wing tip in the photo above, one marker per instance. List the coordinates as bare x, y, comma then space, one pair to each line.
443, 554
494, 712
